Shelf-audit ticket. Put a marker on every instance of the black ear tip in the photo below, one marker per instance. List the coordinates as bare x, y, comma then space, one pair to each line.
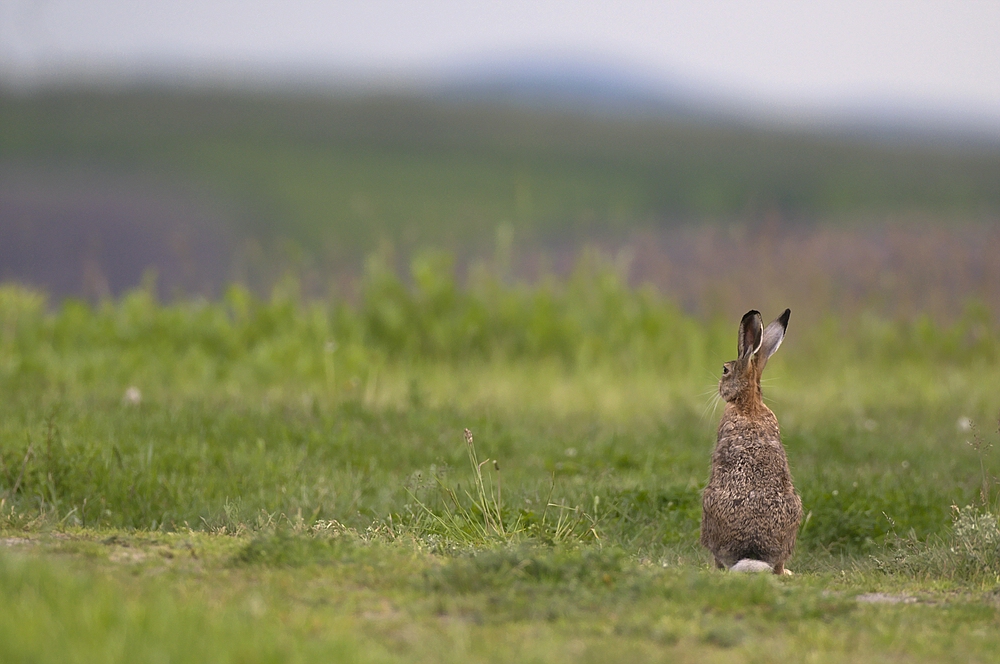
750, 314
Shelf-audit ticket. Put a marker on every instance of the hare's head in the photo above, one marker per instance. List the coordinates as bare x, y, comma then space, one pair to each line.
740, 380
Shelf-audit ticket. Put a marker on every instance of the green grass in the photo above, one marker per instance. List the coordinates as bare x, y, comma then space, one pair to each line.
299, 596
292, 481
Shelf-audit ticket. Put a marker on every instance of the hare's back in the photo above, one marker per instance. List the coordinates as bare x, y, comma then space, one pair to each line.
749, 463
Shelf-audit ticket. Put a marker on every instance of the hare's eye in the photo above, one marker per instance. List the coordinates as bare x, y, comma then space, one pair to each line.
725, 369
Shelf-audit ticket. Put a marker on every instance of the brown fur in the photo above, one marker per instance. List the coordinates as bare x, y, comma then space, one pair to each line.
750, 508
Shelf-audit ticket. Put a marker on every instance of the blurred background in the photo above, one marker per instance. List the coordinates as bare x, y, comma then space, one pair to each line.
831, 157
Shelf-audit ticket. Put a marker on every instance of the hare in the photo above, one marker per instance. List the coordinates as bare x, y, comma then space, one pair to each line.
750, 510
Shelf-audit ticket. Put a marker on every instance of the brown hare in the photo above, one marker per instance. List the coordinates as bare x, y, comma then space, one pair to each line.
750, 510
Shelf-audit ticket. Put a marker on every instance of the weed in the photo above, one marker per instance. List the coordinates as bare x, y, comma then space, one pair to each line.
477, 517
970, 551
982, 449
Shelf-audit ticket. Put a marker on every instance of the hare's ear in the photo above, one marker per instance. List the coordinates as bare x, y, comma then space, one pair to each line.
751, 334
773, 335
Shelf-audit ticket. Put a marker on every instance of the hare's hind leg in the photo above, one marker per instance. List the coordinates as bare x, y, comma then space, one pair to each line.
780, 570
718, 563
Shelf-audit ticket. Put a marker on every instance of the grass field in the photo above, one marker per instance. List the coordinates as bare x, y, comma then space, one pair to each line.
280, 480
289, 478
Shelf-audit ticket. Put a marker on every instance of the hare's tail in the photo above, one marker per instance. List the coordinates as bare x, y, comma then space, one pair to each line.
751, 566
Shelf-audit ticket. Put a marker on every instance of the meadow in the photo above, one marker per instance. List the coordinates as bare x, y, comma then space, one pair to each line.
247, 415
289, 479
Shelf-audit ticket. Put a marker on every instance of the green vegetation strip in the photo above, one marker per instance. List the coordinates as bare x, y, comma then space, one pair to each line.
336, 175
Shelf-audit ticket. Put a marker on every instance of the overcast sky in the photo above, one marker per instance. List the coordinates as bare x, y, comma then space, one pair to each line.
928, 56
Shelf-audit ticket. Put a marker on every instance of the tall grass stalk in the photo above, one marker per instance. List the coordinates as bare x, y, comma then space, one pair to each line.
461, 522
489, 503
